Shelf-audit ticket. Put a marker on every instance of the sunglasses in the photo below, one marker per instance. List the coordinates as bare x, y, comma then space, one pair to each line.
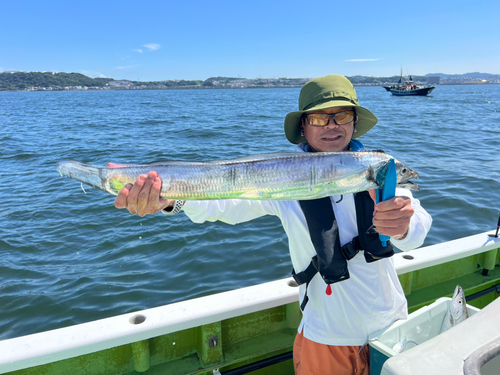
322, 119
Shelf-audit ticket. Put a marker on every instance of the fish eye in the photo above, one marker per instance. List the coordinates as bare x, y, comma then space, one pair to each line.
403, 170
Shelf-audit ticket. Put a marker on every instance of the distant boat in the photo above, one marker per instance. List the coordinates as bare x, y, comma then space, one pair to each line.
410, 88
406, 87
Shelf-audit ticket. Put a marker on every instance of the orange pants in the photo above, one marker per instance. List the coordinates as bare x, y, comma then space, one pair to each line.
311, 358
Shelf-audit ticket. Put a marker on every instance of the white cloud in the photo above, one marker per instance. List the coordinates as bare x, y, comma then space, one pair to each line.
127, 67
152, 46
362, 60
137, 50
92, 73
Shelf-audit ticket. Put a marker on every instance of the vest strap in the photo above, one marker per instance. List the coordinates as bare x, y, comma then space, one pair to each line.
350, 249
323, 229
305, 277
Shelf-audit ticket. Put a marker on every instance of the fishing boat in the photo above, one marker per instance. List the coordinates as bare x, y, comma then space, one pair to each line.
251, 329
407, 87
410, 88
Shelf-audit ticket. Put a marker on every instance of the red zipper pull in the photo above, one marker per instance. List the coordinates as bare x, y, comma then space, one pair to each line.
328, 290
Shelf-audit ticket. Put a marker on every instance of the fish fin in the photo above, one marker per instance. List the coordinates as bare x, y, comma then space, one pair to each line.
370, 176
243, 159
172, 162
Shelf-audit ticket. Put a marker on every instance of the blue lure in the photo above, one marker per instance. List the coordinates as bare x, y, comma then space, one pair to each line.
388, 191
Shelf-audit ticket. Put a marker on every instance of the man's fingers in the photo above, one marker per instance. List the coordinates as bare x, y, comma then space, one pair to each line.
113, 165
393, 204
394, 208
143, 197
388, 223
392, 231
121, 199
155, 202
133, 196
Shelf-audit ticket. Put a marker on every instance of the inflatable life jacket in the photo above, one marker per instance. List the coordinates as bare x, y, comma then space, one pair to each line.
331, 258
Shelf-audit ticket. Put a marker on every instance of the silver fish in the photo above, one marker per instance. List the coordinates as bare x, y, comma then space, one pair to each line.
275, 176
401, 345
457, 310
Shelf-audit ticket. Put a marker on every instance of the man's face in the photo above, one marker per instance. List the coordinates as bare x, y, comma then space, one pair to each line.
331, 137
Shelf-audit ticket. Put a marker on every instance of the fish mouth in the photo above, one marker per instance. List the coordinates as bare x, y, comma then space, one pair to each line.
458, 291
409, 185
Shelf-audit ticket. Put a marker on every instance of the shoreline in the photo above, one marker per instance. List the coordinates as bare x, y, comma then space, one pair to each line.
214, 87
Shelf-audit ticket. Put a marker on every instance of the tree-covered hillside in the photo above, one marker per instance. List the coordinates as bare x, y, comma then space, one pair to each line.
27, 80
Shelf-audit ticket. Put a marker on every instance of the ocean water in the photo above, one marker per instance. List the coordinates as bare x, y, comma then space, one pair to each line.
67, 257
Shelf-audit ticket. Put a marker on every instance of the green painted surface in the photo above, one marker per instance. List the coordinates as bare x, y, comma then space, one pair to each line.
141, 355
242, 340
489, 259
210, 344
113, 361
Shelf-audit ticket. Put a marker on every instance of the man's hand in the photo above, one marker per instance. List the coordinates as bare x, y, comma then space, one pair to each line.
392, 217
143, 197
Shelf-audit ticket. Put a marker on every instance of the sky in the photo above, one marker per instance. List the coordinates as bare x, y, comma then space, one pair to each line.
150, 40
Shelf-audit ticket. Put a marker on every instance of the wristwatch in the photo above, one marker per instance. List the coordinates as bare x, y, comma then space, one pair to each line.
175, 209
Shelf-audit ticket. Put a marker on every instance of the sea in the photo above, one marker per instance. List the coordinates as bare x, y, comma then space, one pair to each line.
69, 256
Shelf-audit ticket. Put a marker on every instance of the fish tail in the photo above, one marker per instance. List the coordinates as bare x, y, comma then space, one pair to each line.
84, 173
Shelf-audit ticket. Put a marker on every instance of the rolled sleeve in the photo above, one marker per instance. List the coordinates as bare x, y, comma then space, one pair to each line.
230, 211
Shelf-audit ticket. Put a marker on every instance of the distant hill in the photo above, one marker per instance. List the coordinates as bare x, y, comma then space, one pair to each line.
365, 80
28, 80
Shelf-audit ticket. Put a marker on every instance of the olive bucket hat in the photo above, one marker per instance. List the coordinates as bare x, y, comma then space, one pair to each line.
327, 92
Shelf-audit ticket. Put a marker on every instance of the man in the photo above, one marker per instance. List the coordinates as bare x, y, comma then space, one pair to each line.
366, 296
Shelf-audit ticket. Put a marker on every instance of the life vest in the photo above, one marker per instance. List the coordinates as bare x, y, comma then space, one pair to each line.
331, 258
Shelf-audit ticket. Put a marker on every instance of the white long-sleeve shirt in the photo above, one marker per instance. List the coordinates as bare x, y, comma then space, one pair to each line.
370, 300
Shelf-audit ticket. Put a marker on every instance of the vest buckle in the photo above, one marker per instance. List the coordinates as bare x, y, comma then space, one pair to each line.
350, 249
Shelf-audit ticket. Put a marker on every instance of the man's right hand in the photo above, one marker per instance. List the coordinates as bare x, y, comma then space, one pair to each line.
143, 197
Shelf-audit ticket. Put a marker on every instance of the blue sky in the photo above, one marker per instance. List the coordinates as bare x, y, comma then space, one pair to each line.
160, 40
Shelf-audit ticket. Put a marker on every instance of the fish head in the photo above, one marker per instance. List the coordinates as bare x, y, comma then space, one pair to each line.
400, 346
458, 305
404, 175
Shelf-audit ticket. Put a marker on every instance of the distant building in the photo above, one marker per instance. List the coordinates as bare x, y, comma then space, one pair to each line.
120, 83
433, 80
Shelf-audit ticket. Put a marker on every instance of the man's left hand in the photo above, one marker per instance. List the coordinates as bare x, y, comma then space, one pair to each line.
392, 217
